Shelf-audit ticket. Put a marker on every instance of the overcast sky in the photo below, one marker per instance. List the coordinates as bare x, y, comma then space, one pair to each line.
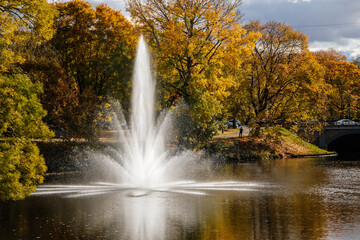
327, 23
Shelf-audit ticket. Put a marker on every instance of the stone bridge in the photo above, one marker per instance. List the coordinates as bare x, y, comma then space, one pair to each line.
338, 133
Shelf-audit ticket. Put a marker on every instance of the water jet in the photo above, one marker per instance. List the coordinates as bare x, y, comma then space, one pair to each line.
142, 162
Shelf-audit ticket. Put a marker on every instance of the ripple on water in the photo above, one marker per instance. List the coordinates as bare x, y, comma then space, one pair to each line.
182, 187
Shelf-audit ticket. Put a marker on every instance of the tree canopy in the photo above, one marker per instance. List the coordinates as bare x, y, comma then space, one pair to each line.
194, 42
343, 78
21, 21
96, 47
88, 61
280, 73
21, 114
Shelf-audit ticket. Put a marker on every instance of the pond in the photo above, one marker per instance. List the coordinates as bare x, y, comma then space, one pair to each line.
284, 199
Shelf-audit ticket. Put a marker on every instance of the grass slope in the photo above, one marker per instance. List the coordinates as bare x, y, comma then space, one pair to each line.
288, 143
272, 143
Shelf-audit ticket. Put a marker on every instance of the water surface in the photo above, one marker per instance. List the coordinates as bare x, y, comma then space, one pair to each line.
285, 199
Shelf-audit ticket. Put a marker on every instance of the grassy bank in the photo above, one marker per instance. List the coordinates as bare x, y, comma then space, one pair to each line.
270, 144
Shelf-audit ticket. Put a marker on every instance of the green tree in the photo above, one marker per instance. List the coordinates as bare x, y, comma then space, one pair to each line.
21, 166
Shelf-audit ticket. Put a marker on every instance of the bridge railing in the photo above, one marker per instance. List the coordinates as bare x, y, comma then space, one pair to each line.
342, 126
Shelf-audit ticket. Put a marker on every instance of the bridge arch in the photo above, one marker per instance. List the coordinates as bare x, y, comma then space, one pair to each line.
344, 141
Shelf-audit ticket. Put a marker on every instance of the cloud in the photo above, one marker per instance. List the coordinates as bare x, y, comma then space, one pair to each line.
115, 4
348, 46
296, 1
327, 23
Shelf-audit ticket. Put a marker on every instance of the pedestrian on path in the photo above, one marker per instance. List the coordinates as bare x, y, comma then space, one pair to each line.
241, 131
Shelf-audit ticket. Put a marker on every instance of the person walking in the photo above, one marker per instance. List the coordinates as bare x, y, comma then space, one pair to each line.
241, 131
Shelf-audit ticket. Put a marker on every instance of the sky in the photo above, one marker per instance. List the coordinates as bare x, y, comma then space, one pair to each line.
327, 23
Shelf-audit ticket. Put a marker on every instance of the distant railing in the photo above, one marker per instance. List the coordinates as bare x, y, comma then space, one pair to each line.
342, 126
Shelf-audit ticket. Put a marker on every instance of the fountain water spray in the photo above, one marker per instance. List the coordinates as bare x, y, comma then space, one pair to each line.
145, 152
144, 159
143, 162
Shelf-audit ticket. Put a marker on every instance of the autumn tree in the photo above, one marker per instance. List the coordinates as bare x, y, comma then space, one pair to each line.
88, 59
282, 78
96, 47
343, 77
356, 61
60, 97
20, 21
21, 114
194, 42
237, 105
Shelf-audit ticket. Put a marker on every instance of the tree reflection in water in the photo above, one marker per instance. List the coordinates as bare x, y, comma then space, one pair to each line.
302, 199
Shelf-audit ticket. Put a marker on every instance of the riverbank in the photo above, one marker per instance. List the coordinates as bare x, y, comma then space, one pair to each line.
272, 143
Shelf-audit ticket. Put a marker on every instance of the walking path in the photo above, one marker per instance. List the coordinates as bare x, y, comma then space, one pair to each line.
112, 135
233, 134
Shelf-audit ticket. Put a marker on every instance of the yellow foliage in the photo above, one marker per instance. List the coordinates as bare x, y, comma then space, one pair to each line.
342, 77
21, 114
21, 169
196, 43
20, 21
279, 75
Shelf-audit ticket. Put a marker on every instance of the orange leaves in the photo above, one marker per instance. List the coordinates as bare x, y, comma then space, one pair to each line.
279, 72
91, 42
200, 40
114, 25
95, 48
338, 70
343, 79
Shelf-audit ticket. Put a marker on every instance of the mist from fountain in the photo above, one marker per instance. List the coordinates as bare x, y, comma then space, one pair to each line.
144, 159
143, 162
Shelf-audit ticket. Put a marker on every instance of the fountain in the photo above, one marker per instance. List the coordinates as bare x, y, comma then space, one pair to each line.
144, 159
143, 163
135, 180
140, 188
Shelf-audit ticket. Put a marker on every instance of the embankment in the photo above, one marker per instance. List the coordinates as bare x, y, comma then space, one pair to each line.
272, 143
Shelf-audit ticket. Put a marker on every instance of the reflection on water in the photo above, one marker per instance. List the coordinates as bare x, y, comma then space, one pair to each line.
186, 187
286, 199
